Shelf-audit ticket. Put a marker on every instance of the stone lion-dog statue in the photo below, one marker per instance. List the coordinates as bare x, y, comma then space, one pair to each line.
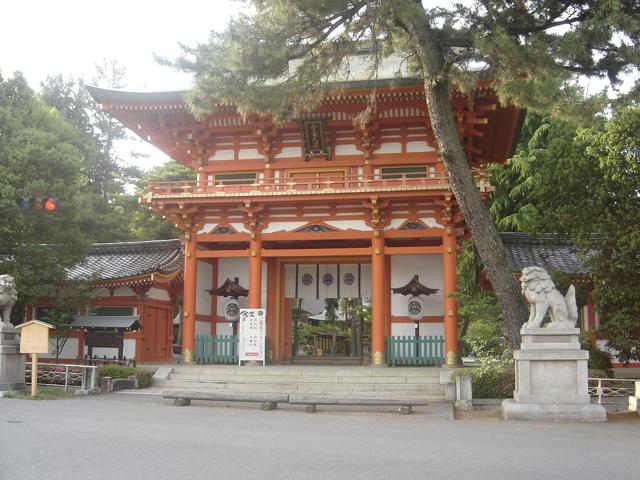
541, 293
8, 298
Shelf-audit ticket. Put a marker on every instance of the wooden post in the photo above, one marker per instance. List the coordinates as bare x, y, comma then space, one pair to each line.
34, 374
189, 298
378, 303
450, 304
255, 270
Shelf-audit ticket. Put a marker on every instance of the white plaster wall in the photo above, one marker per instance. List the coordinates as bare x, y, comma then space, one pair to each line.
129, 348
402, 329
390, 147
124, 292
222, 155
102, 292
309, 291
203, 328
432, 329
346, 150
231, 268
419, 146
429, 268
203, 283
239, 227
225, 328
70, 349
289, 152
425, 329
283, 226
349, 225
249, 154
158, 294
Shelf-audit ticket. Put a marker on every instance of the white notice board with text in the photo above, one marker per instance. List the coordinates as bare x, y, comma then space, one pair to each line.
252, 332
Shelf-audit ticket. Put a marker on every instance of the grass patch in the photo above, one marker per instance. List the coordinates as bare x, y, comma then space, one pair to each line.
44, 393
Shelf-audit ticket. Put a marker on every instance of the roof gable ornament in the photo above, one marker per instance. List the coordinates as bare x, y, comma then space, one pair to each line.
315, 228
416, 225
223, 230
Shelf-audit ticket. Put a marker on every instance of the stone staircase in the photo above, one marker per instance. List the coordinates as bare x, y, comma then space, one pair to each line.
364, 381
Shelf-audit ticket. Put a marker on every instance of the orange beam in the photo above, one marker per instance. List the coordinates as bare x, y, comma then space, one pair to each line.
316, 252
232, 237
221, 253
349, 234
412, 250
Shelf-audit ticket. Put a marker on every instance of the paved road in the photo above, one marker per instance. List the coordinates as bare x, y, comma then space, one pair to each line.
121, 436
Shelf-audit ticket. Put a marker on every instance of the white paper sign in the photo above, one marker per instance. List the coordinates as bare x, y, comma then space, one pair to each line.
252, 332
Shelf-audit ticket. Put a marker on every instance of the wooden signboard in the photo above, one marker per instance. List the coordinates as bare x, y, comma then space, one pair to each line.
34, 339
253, 328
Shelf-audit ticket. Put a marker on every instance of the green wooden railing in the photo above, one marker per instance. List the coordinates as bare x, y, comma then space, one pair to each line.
216, 349
408, 350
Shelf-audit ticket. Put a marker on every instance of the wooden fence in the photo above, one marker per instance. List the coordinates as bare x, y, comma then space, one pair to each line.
216, 349
410, 350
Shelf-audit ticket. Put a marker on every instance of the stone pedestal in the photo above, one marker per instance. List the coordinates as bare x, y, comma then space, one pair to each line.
11, 361
551, 378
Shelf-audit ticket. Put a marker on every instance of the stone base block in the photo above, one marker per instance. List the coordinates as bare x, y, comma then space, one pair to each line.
580, 412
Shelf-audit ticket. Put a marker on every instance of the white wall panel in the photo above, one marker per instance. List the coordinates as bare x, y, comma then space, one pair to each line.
203, 283
158, 294
429, 269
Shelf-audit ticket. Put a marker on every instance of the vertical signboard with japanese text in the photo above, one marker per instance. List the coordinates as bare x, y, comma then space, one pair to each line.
252, 331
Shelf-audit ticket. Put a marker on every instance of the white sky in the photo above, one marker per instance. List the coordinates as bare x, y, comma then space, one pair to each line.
49, 37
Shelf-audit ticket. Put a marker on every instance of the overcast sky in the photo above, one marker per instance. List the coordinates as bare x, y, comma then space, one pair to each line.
47, 37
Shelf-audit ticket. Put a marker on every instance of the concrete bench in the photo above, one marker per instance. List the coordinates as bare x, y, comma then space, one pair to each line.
312, 401
269, 400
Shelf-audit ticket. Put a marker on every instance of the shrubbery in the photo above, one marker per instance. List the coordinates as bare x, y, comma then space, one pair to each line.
120, 371
495, 377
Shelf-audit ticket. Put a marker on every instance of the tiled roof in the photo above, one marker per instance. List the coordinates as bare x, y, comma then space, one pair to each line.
111, 261
99, 322
549, 251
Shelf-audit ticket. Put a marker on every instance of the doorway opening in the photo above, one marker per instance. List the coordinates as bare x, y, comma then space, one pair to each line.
330, 328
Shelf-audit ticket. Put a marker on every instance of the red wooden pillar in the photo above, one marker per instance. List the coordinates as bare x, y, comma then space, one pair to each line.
189, 298
255, 270
214, 298
450, 304
378, 303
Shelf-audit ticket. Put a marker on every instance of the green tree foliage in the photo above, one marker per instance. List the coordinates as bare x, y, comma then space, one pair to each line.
145, 225
585, 183
106, 209
276, 59
39, 155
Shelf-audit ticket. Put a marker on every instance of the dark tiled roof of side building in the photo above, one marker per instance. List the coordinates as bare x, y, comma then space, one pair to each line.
110, 261
549, 251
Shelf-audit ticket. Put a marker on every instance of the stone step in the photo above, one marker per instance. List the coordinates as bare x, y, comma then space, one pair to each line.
315, 370
222, 378
312, 387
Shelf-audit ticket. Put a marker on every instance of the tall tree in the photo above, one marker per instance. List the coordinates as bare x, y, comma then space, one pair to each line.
534, 50
39, 156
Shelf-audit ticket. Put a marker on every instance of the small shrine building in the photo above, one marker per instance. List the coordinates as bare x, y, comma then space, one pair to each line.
135, 287
320, 207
